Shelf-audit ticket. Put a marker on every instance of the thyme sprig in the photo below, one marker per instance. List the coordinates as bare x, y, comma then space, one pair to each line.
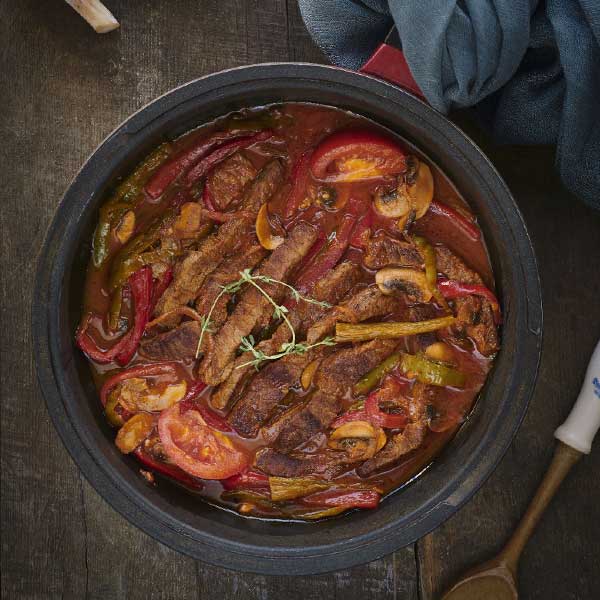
248, 344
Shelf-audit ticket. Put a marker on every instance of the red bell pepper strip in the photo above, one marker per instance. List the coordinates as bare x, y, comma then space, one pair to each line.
175, 167
211, 418
299, 176
167, 469
207, 198
383, 419
195, 388
351, 415
451, 289
360, 233
222, 152
335, 157
122, 352
347, 498
138, 371
331, 255
161, 286
469, 228
246, 480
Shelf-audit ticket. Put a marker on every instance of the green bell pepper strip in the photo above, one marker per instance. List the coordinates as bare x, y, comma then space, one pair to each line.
430, 372
375, 375
113, 210
348, 332
428, 253
130, 258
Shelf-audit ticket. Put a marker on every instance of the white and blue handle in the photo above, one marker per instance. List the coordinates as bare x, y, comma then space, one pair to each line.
583, 422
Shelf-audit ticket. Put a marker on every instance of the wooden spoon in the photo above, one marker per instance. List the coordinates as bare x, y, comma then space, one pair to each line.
497, 578
96, 14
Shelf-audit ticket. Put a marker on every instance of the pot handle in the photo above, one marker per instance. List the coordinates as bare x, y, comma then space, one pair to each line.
388, 62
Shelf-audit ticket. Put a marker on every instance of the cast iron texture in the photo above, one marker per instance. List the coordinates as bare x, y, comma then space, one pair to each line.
176, 517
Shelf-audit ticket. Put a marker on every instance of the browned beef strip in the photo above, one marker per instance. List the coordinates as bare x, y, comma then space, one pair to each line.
330, 289
475, 318
325, 465
227, 272
192, 271
404, 442
264, 393
399, 445
383, 250
336, 374
365, 304
179, 343
227, 180
474, 314
298, 424
453, 267
340, 371
262, 188
217, 365
229, 238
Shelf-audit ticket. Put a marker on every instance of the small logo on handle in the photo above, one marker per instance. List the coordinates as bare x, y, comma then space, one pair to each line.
596, 384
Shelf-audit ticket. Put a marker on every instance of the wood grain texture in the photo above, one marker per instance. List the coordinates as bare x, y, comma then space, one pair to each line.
562, 559
64, 88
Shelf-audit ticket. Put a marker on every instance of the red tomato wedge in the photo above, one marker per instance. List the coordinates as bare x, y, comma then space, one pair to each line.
357, 155
197, 448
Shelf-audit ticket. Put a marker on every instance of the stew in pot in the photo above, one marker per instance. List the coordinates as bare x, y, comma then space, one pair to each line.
288, 311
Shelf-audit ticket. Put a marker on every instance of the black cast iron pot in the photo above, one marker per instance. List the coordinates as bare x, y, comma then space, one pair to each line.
176, 517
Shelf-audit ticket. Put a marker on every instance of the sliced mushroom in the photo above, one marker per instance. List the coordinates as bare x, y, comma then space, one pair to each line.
189, 220
134, 432
135, 395
422, 190
125, 228
327, 197
359, 439
308, 373
411, 198
440, 352
410, 282
392, 203
264, 231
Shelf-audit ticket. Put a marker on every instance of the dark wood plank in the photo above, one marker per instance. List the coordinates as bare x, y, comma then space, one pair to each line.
69, 89
561, 560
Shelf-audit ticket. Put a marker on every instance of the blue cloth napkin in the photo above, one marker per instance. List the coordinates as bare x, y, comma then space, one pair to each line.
532, 68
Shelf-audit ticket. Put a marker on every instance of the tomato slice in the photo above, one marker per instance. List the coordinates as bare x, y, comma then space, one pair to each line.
357, 155
197, 448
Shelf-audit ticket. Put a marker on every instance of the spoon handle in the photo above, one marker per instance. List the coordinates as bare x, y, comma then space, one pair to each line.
564, 458
575, 437
582, 424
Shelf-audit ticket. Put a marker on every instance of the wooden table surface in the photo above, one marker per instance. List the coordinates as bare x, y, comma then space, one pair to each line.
63, 89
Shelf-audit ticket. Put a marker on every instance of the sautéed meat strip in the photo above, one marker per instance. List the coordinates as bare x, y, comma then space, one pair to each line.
264, 240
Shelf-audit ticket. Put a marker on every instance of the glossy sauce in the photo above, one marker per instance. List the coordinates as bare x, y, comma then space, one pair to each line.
302, 126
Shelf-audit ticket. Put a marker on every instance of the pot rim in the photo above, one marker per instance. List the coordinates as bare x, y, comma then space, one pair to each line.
121, 495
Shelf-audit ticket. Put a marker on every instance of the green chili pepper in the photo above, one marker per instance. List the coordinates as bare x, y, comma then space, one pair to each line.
248, 496
432, 373
130, 258
374, 376
125, 194
114, 312
361, 332
268, 119
288, 488
313, 514
426, 249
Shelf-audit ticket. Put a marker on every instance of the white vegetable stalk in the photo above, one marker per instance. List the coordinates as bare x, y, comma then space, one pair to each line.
96, 14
